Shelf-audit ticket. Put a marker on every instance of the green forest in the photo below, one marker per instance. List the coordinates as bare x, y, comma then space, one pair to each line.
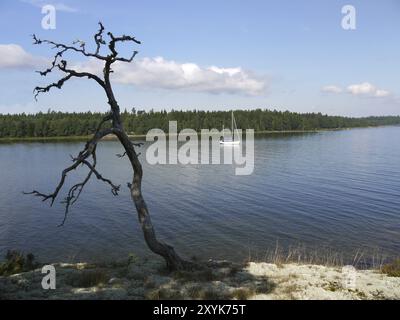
59, 124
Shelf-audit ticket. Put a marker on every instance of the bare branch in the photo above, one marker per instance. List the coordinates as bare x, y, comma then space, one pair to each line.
64, 173
137, 144
114, 188
108, 117
59, 54
83, 155
64, 48
72, 197
98, 38
63, 67
123, 38
71, 73
57, 85
128, 60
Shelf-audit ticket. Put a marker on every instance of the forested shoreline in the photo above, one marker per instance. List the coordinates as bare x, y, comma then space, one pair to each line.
59, 124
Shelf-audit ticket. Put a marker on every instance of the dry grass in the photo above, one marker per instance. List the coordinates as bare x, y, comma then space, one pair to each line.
290, 290
210, 294
265, 286
88, 278
392, 269
300, 254
243, 293
17, 262
195, 292
204, 275
163, 294
333, 286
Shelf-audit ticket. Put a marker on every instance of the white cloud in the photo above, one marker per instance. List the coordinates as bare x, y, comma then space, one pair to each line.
57, 5
332, 89
362, 89
152, 73
367, 89
167, 74
14, 56
382, 93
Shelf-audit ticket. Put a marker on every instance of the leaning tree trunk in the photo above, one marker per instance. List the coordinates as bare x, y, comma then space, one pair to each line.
172, 259
174, 262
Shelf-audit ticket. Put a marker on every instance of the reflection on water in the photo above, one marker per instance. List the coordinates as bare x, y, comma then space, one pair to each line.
338, 189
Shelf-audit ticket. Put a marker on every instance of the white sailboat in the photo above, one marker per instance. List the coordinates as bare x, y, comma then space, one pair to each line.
231, 141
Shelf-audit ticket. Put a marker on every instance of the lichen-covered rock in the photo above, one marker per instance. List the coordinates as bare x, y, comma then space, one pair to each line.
220, 280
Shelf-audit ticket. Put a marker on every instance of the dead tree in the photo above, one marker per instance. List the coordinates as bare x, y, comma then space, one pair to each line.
111, 124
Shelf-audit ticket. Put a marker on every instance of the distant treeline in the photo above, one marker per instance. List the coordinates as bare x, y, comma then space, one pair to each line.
57, 124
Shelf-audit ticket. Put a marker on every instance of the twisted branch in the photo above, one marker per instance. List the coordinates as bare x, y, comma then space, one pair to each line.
123, 38
71, 198
63, 47
89, 150
62, 66
98, 38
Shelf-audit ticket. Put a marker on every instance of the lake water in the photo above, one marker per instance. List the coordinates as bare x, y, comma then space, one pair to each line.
338, 189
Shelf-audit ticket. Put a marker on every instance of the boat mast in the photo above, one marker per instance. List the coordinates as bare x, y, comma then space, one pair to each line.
233, 132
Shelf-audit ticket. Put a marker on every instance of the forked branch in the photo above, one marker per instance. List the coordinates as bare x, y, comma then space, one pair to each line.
81, 159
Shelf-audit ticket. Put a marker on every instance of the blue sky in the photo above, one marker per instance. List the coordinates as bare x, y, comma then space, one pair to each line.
288, 55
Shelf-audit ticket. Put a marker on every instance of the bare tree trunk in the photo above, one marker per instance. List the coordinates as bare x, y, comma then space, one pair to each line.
174, 262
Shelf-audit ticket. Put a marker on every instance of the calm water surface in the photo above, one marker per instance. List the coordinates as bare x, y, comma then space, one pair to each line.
336, 189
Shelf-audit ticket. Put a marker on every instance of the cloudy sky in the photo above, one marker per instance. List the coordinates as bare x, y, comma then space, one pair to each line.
286, 55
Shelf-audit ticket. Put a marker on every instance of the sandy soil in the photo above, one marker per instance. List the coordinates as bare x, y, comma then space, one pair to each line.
147, 279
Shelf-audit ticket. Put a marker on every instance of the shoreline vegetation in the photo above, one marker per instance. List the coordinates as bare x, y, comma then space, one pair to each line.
138, 136
53, 126
143, 136
143, 278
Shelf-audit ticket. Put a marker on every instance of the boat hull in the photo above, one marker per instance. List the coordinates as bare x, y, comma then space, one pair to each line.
230, 143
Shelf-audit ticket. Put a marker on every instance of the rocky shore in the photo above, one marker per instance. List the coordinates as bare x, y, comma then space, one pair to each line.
147, 279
